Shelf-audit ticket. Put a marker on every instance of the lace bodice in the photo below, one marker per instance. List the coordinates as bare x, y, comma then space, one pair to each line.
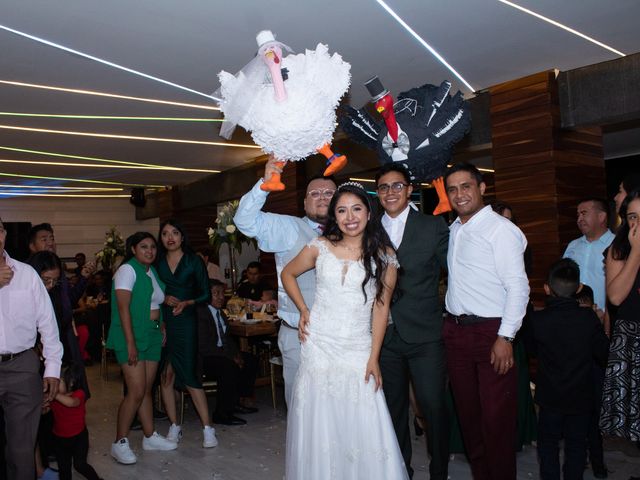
340, 304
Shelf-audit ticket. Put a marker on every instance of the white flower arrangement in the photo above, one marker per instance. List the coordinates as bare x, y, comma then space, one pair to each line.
114, 247
225, 230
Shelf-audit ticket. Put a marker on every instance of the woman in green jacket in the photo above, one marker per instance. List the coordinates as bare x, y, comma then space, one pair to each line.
185, 276
136, 335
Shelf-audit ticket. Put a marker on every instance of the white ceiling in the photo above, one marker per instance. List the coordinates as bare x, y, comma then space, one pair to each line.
189, 41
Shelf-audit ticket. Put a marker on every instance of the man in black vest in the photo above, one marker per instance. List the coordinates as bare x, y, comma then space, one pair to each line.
413, 348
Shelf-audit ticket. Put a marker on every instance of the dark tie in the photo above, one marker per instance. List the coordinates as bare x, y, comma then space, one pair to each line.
221, 328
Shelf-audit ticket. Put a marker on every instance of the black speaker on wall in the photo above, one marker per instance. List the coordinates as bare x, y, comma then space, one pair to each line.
137, 197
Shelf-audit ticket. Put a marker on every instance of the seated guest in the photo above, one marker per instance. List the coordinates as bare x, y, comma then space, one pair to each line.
567, 339
220, 359
253, 286
209, 258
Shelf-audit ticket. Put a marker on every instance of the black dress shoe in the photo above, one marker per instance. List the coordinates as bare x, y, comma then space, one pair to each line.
228, 420
244, 410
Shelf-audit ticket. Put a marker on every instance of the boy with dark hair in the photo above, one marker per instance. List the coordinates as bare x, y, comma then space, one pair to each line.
567, 339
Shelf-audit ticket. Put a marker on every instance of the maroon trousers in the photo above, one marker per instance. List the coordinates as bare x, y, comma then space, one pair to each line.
485, 401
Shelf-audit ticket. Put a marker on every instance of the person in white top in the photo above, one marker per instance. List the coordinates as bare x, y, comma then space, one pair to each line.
25, 311
486, 300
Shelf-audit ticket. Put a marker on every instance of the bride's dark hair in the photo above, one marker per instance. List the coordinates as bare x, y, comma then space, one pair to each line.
375, 240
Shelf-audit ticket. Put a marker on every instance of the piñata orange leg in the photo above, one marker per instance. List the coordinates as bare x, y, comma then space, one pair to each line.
443, 205
274, 184
336, 161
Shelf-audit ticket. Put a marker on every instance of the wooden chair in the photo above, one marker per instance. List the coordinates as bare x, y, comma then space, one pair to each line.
209, 386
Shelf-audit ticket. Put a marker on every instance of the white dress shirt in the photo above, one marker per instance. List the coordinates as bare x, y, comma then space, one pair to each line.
25, 311
486, 270
395, 226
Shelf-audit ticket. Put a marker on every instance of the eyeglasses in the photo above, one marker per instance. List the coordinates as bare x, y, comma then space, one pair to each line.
327, 194
395, 187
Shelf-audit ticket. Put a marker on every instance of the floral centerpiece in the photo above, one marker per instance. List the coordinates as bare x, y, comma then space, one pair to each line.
113, 247
226, 231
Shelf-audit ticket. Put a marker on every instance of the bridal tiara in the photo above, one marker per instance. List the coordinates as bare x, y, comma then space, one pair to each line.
351, 184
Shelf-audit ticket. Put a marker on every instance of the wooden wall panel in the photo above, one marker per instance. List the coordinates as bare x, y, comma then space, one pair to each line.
540, 169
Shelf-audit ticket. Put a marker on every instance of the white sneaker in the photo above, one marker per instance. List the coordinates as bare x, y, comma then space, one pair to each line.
122, 453
158, 442
209, 439
175, 433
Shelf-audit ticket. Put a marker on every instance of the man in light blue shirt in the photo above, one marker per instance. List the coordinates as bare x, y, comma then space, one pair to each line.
285, 236
587, 251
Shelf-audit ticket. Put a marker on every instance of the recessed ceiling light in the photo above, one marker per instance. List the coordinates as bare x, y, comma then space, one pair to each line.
106, 94
128, 137
424, 43
104, 62
564, 27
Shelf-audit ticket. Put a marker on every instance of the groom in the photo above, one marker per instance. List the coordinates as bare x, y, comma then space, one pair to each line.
413, 347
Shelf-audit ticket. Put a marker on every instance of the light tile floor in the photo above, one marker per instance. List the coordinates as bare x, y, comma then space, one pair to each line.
256, 450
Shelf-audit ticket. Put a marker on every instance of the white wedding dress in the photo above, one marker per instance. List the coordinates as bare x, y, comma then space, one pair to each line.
339, 427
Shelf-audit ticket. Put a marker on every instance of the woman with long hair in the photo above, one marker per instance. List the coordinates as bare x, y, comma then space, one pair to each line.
136, 335
621, 399
187, 281
338, 424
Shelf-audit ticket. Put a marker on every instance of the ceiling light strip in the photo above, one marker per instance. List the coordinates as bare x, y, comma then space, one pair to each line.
564, 27
105, 62
108, 117
93, 165
128, 137
79, 180
59, 187
68, 195
143, 166
105, 94
424, 43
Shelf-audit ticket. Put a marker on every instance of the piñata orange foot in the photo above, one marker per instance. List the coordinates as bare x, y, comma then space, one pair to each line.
443, 205
336, 161
274, 184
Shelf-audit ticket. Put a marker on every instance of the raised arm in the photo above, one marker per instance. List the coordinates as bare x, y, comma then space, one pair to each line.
274, 233
303, 262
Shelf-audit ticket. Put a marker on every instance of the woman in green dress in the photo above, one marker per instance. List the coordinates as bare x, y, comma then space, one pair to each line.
187, 284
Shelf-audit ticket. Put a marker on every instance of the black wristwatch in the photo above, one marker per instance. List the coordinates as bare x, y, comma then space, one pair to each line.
507, 339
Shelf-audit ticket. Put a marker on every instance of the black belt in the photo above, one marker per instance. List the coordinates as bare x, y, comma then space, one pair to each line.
464, 320
7, 357
288, 326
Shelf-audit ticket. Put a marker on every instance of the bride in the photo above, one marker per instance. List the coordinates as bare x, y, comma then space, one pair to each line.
338, 424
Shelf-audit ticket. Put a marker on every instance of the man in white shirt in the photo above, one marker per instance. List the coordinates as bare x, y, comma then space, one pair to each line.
486, 299
25, 311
